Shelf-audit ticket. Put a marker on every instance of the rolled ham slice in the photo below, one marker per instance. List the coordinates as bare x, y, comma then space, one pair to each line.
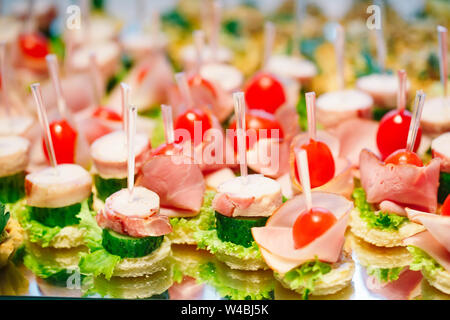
436, 116
176, 179
337, 106
382, 88
253, 196
110, 155
62, 186
292, 67
342, 182
276, 243
14, 155
440, 148
136, 215
226, 76
403, 184
355, 135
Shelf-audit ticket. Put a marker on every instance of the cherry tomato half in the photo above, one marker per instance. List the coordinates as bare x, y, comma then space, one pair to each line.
167, 149
198, 82
320, 162
106, 113
257, 120
310, 225
34, 45
64, 139
393, 132
404, 156
187, 121
445, 210
265, 92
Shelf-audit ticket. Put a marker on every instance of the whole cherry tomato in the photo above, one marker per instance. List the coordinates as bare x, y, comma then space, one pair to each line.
34, 45
188, 119
265, 92
64, 139
403, 156
167, 149
445, 210
106, 113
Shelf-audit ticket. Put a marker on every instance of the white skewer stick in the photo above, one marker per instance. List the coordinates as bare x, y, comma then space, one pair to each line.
239, 111
215, 29
415, 120
401, 93
269, 38
86, 16
303, 169
300, 9
131, 133
199, 42
442, 35
379, 39
96, 78
125, 92
168, 123
42, 114
52, 64
5, 98
183, 87
311, 114
339, 47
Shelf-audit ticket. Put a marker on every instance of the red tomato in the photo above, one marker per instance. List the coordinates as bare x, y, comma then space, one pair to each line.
106, 113
320, 162
64, 139
34, 45
167, 149
264, 92
393, 132
404, 156
187, 119
142, 74
256, 120
445, 210
310, 225
198, 81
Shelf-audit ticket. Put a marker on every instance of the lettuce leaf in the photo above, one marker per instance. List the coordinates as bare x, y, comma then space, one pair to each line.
306, 276
98, 261
384, 275
210, 273
4, 217
423, 261
380, 220
42, 270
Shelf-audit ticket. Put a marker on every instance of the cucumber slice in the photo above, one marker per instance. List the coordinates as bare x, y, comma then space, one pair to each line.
57, 217
129, 247
12, 188
106, 187
237, 230
444, 186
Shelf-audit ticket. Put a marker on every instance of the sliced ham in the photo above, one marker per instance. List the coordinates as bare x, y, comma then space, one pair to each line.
354, 135
437, 225
404, 288
14, 155
403, 184
431, 246
392, 207
137, 216
176, 179
216, 178
342, 182
269, 157
381, 87
188, 289
440, 147
288, 119
337, 106
253, 196
292, 67
276, 240
62, 186
110, 155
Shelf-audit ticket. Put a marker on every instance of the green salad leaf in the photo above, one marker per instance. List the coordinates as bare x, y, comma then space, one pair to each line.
4, 217
306, 276
42, 270
384, 274
379, 220
423, 261
203, 221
